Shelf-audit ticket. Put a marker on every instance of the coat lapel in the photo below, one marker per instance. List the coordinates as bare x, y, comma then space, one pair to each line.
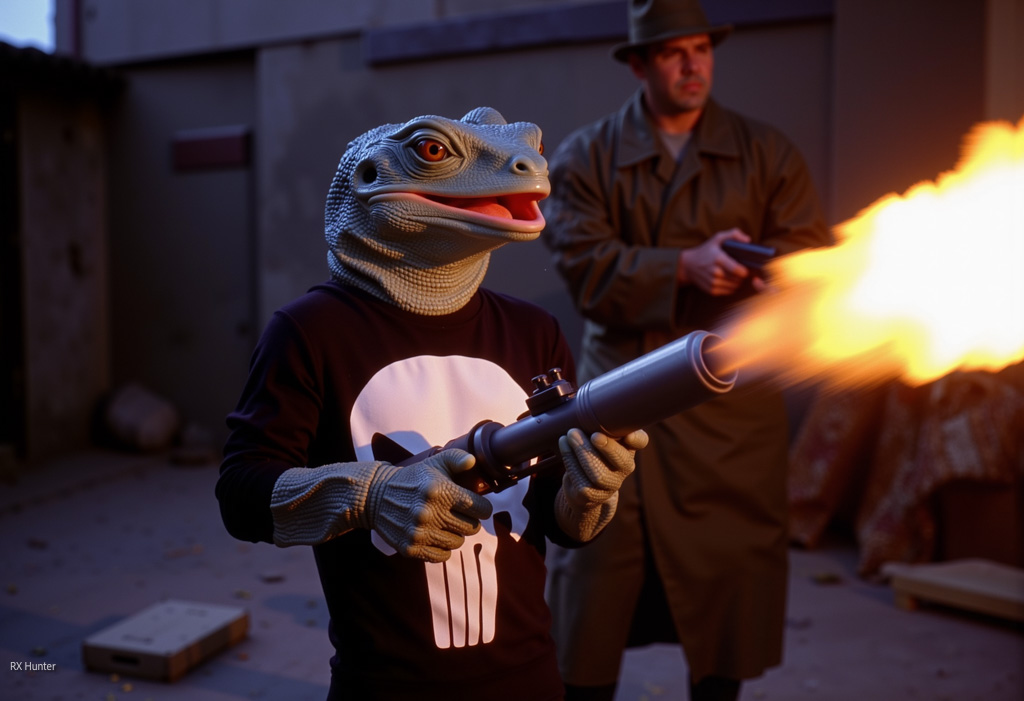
638, 141
711, 138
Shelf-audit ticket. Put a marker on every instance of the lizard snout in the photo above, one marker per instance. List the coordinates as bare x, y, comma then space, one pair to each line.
529, 165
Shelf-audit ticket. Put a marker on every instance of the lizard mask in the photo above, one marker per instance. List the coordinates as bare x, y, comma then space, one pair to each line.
415, 209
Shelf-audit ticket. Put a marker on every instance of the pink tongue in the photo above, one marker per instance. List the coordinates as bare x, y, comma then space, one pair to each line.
492, 209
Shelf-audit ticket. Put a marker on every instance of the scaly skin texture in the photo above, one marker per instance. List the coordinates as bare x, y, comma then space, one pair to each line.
418, 510
415, 209
594, 471
412, 215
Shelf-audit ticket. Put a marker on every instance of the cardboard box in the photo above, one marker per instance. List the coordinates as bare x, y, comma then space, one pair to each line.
166, 640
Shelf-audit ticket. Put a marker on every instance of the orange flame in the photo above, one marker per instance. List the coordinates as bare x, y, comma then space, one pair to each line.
917, 286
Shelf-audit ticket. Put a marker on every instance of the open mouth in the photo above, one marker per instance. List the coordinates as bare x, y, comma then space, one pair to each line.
522, 207
517, 207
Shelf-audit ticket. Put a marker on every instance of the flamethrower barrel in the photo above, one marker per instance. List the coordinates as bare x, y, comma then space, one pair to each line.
675, 377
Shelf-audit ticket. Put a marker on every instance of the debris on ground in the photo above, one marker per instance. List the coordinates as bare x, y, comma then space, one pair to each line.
141, 419
826, 578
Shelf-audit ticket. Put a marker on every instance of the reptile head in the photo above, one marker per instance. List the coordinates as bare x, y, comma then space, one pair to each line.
415, 209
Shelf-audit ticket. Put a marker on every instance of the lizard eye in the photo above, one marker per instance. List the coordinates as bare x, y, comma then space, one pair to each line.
540, 149
431, 150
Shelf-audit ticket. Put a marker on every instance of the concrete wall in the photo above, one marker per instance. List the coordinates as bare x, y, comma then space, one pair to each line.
876, 93
115, 32
182, 273
305, 124
912, 77
909, 83
1004, 60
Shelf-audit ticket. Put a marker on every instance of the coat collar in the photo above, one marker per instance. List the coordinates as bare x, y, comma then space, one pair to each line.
638, 138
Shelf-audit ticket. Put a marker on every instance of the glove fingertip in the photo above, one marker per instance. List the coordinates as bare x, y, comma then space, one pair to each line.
487, 509
459, 460
480, 508
639, 439
563, 444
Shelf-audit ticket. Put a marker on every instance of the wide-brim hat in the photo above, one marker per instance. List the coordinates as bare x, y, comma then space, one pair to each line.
651, 21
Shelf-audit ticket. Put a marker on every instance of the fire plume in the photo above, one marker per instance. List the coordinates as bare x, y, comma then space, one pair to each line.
917, 286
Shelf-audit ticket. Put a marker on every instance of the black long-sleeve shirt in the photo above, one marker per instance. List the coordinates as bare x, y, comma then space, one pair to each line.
333, 368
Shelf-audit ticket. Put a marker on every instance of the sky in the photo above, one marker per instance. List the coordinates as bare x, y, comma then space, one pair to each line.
27, 23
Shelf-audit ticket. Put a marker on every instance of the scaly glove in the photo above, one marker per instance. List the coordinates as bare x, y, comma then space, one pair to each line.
594, 471
417, 509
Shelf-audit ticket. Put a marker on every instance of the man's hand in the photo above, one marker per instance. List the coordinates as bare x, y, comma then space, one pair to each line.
594, 471
420, 512
711, 269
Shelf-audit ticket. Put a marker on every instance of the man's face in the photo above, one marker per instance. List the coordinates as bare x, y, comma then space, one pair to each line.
676, 74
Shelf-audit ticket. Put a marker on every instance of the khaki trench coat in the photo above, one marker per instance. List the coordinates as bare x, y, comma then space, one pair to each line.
706, 507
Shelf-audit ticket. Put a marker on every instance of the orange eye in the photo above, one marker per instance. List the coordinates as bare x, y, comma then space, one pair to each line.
431, 150
540, 149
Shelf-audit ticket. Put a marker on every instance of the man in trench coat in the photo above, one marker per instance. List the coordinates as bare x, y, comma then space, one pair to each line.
641, 203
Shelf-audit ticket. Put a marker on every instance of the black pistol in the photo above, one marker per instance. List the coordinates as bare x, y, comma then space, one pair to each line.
749, 255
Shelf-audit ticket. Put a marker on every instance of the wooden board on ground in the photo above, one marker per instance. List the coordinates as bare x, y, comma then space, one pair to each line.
166, 640
975, 585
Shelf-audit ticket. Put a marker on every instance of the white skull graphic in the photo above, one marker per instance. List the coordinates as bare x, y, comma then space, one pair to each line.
426, 401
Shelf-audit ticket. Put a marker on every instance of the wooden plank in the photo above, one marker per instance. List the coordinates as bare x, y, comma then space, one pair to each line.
166, 640
975, 585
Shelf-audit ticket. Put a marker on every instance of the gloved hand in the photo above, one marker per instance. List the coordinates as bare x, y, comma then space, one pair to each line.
594, 471
416, 509
420, 512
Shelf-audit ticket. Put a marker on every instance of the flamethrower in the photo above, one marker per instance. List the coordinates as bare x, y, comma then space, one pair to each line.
675, 377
